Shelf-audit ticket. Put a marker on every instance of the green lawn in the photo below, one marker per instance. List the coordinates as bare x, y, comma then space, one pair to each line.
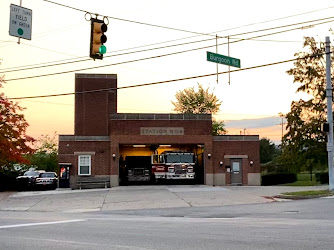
303, 180
306, 194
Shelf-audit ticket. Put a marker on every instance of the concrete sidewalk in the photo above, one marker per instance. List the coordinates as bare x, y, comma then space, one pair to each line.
140, 197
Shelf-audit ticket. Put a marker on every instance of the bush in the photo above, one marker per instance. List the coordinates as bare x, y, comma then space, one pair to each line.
280, 178
7, 181
322, 177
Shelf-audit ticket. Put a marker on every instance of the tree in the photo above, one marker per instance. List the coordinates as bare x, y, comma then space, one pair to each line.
268, 150
196, 102
200, 102
46, 154
218, 127
14, 143
304, 144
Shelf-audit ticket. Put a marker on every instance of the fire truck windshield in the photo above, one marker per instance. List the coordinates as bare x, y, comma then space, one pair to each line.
184, 158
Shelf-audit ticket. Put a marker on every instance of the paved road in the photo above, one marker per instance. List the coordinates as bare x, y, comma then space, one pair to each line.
139, 197
305, 224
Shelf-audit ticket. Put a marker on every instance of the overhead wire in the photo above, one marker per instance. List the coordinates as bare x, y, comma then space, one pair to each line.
160, 82
147, 58
168, 46
165, 27
281, 18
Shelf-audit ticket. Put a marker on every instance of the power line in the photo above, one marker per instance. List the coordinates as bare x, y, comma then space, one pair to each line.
155, 83
198, 33
131, 21
147, 58
244, 33
167, 41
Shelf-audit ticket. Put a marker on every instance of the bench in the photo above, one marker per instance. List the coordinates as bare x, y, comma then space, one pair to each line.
93, 182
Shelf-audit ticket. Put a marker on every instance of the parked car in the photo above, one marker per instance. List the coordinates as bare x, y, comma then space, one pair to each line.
47, 180
27, 180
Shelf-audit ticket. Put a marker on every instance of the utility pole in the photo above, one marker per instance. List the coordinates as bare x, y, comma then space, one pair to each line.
329, 114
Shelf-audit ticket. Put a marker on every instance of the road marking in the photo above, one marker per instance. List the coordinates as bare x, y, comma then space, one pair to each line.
40, 223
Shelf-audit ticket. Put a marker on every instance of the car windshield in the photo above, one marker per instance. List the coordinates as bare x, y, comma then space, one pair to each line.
47, 175
31, 173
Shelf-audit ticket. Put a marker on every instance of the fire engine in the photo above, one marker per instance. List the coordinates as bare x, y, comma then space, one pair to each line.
176, 165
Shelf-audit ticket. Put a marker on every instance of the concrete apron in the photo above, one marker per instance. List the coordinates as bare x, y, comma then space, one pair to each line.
139, 197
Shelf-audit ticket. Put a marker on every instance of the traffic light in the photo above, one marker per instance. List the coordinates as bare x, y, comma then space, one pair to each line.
97, 38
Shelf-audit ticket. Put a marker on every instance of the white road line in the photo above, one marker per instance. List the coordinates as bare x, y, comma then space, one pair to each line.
40, 223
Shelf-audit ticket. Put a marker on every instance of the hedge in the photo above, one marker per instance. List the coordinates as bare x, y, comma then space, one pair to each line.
322, 177
280, 178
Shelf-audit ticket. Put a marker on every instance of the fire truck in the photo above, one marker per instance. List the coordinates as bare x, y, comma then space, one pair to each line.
138, 168
173, 165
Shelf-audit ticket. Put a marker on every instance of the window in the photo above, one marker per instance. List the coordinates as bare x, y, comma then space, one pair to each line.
84, 164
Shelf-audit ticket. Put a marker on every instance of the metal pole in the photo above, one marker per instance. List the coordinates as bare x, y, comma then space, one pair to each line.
329, 114
217, 53
18, 41
229, 68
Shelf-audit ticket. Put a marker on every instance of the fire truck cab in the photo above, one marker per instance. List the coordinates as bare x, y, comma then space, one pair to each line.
174, 165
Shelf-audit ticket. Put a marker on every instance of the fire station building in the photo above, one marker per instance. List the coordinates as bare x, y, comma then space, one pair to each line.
103, 139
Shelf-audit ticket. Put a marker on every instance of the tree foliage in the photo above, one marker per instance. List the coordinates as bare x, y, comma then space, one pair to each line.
304, 144
200, 102
196, 102
14, 143
46, 154
218, 127
268, 150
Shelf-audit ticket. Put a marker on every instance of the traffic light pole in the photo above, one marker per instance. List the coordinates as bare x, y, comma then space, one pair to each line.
329, 114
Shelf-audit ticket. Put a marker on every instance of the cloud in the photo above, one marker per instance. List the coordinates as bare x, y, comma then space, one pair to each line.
268, 127
253, 123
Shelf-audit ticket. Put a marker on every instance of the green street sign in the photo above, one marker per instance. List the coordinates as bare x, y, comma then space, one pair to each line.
217, 58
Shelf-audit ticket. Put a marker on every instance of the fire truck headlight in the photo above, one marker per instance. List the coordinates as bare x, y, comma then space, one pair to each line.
171, 170
190, 169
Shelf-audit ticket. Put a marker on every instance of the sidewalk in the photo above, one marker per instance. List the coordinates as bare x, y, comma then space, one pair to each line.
140, 197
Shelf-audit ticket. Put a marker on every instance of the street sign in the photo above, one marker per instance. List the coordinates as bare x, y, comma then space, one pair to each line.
217, 58
20, 22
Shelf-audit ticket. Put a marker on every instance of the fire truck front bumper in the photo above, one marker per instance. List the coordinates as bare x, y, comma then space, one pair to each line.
159, 175
174, 176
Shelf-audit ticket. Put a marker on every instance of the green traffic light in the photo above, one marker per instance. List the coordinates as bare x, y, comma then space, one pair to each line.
103, 49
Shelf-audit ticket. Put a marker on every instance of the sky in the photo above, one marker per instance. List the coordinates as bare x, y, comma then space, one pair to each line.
251, 98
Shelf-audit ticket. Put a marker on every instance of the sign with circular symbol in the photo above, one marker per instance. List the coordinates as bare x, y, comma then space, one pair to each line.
20, 22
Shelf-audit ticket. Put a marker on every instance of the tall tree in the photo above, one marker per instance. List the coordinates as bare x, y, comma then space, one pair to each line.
14, 143
218, 127
304, 143
268, 150
201, 101
46, 154
196, 102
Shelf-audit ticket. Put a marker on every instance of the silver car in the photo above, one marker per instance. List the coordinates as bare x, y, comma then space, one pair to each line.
47, 180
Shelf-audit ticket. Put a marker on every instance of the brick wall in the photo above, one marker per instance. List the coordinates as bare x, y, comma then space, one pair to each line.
247, 150
99, 150
94, 106
128, 132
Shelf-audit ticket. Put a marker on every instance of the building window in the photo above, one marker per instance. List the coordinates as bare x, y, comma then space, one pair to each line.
84, 167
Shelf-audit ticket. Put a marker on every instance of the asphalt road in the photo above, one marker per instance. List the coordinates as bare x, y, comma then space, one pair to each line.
303, 224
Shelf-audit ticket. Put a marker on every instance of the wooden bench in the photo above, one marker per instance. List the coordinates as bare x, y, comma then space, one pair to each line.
93, 182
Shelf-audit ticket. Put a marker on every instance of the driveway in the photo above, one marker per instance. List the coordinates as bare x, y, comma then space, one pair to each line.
140, 197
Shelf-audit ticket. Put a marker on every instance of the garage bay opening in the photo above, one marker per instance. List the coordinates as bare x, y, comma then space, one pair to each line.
161, 164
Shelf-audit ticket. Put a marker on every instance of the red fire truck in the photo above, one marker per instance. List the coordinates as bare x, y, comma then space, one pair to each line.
170, 165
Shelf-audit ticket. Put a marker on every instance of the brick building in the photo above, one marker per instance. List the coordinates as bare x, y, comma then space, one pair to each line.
103, 138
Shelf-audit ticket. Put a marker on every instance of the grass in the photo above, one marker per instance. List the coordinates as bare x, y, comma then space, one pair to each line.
303, 180
307, 194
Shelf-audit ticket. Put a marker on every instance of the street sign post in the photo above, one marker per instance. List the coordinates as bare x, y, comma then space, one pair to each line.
217, 58
20, 22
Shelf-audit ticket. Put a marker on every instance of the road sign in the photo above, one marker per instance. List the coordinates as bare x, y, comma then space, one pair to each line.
20, 22
217, 58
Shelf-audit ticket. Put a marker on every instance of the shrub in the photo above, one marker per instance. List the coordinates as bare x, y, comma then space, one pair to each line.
280, 178
322, 177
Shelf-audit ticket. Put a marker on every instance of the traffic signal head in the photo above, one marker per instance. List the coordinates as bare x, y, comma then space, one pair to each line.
97, 38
